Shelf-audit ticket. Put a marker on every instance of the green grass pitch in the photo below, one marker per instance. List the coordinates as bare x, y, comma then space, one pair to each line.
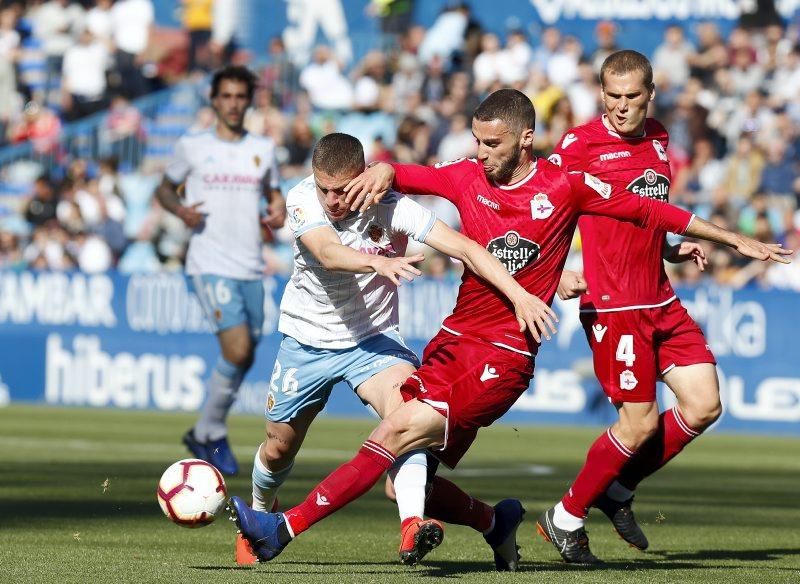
727, 510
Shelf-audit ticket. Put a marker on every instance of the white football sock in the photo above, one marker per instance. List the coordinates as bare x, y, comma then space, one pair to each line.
409, 475
222, 388
266, 483
618, 493
563, 519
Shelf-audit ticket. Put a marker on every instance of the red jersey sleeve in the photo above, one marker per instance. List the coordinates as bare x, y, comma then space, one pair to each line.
595, 197
570, 152
442, 179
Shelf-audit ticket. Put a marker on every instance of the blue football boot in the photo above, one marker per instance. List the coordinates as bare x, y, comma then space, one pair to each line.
221, 456
194, 445
259, 528
508, 515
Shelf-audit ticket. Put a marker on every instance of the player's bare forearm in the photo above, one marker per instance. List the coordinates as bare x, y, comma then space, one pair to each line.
746, 246
168, 196
340, 258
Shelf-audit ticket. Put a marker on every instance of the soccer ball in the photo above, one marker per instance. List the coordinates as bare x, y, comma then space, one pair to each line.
191, 493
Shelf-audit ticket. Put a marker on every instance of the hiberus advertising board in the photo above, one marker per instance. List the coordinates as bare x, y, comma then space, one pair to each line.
142, 342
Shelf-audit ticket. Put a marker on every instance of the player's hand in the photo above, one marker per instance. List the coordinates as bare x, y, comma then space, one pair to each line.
276, 213
192, 216
369, 187
752, 248
688, 251
571, 285
535, 316
399, 267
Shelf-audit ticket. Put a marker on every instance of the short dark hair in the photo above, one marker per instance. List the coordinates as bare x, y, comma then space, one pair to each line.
234, 73
510, 106
627, 61
336, 153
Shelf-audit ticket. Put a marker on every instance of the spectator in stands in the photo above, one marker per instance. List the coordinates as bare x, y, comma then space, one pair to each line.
459, 141
11, 257
550, 45
9, 52
780, 172
711, 53
327, 88
489, 64
123, 131
605, 34
100, 24
83, 77
743, 173
197, 18
584, 95
279, 75
445, 37
132, 22
562, 69
41, 207
56, 23
672, 56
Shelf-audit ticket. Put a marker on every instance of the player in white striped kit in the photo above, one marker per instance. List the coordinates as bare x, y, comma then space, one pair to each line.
227, 173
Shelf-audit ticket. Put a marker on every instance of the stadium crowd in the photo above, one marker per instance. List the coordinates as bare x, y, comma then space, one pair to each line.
731, 105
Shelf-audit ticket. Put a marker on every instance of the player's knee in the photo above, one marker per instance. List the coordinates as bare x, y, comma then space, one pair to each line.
701, 414
240, 356
277, 454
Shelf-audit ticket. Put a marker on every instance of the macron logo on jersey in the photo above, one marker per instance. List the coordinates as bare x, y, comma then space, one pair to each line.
599, 332
322, 500
568, 139
488, 202
615, 155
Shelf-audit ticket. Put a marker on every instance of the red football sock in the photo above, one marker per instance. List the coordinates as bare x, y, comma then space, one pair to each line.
604, 461
446, 502
672, 436
345, 484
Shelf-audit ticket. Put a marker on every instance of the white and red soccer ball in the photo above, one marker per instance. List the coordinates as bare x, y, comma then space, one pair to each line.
192, 493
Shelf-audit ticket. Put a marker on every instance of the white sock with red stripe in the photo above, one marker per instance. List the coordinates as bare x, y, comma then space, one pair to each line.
345, 484
604, 461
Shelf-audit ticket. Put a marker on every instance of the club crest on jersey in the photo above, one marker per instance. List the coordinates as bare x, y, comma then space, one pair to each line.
513, 251
651, 184
270, 402
375, 232
257, 160
555, 158
297, 217
659, 147
627, 380
541, 207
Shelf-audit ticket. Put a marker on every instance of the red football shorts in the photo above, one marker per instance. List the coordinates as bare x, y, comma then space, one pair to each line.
633, 348
469, 381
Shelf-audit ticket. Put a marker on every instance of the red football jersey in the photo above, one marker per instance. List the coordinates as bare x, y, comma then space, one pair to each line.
528, 226
622, 262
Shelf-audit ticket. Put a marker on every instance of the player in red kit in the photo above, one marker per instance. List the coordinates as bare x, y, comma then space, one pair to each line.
524, 211
637, 328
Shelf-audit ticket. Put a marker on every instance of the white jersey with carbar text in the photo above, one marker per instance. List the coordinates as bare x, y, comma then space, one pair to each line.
229, 179
337, 310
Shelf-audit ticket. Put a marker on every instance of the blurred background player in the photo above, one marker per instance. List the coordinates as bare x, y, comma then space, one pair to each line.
225, 173
636, 326
339, 317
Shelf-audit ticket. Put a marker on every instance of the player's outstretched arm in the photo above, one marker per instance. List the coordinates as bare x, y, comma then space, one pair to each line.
747, 246
168, 195
326, 246
532, 314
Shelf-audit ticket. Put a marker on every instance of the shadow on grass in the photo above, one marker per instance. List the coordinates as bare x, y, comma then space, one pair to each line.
742, 555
